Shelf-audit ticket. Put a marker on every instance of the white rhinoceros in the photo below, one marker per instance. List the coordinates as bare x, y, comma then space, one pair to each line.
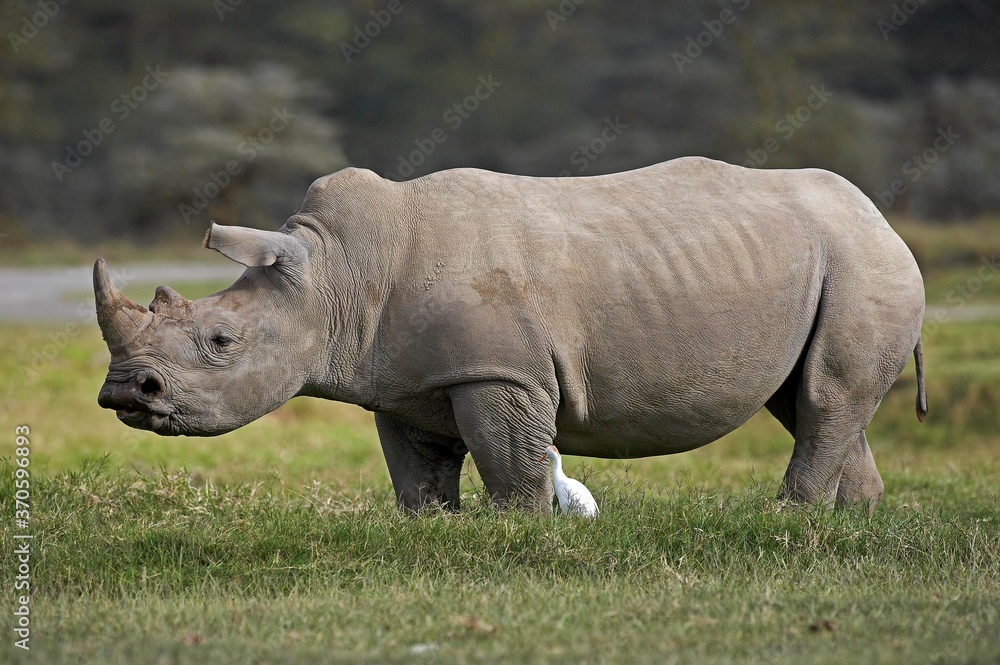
626, 315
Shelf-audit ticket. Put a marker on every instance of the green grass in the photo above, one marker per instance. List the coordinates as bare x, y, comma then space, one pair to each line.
959, 261
141, 568
281, 543
956, 244
21, 249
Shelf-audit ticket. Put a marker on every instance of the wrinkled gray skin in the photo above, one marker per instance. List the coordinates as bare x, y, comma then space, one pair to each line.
627, 315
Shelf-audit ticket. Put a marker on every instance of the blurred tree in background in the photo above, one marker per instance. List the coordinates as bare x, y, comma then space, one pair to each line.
146, 120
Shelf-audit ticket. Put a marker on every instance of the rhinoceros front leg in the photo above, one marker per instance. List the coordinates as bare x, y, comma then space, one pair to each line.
507, 429
425, 467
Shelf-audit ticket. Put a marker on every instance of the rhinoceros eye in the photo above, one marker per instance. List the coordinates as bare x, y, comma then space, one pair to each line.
221, 341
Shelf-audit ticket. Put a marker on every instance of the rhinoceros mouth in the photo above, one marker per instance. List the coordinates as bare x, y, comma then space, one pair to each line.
154, 421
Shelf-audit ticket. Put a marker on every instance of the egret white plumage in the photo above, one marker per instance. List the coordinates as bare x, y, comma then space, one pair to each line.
574, 497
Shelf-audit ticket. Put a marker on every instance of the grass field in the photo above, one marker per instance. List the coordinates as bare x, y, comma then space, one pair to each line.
280, 543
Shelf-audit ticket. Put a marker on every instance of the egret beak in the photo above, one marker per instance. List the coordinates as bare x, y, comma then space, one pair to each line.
542, 458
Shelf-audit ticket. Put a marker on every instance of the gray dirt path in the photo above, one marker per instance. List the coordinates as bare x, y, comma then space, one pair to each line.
66, 293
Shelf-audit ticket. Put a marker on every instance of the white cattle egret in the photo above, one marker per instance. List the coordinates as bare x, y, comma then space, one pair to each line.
574, 497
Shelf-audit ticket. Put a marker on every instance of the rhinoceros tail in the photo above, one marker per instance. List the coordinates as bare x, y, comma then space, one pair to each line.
918, 359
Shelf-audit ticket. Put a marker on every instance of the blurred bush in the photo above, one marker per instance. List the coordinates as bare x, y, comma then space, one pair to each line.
192, 110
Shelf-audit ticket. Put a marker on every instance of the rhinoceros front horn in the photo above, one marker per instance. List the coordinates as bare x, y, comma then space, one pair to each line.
120, 319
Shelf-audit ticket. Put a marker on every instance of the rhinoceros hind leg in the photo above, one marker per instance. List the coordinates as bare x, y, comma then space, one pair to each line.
425, 467
831, 415
859, 348
860, 484
507, 429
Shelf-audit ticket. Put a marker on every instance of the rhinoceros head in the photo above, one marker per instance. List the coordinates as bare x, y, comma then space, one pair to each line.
208, 366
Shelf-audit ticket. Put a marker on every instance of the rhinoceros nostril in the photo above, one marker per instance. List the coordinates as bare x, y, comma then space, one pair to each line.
150, 386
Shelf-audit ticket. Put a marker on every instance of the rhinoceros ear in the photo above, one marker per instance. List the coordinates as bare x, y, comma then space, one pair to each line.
255, 248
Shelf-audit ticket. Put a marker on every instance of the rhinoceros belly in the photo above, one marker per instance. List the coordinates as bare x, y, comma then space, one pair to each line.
677, 343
